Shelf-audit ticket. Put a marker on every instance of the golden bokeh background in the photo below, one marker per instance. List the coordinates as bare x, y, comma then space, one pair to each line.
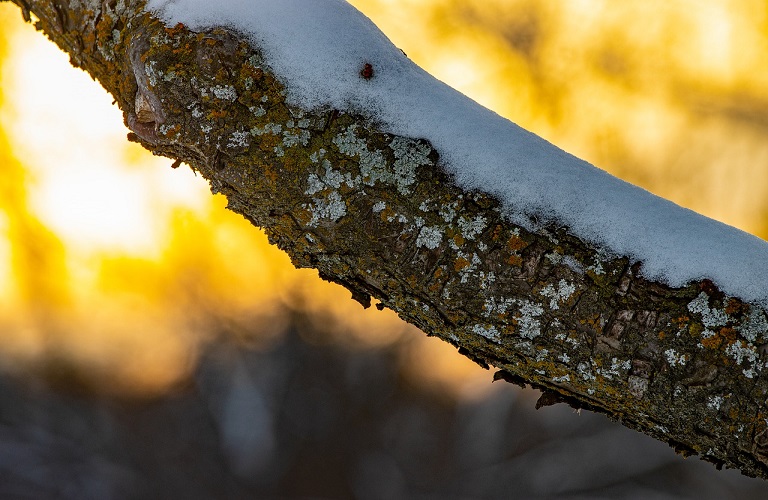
115, 270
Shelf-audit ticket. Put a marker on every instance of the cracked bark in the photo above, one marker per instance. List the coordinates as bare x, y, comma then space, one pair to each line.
377, 214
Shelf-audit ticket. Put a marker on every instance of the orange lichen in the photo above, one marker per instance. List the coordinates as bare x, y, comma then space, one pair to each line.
387, 214
515, 260
725, 336
179, 28
516, 243
461, 263
736, 307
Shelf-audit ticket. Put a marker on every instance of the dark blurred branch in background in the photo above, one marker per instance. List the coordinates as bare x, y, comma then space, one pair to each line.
305, 420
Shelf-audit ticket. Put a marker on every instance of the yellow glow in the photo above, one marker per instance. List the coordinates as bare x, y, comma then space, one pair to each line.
6, 262
72, 137
113, 264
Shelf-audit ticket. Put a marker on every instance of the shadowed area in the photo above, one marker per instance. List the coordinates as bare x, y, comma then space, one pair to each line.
301, 419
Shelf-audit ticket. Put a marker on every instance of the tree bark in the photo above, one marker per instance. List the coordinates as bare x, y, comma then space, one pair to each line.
377, 213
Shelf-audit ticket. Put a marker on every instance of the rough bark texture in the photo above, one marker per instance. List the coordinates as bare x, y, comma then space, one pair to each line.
377, 214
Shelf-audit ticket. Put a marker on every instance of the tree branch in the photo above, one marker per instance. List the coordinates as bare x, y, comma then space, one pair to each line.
377, 213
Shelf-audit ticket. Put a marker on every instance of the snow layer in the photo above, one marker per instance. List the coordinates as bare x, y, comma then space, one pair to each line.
317, 48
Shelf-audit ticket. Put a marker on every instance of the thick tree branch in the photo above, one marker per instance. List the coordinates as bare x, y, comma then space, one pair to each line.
377, 214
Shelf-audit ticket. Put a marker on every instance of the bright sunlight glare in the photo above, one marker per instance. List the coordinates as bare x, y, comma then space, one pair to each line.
71, 138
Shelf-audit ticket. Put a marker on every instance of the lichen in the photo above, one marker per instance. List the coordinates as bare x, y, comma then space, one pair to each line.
269, 128
755, 328
448, 211
674, 358
224, 92
637, 386
489, 332
528, 324
714, 402
331, 208
408, 155
745, 352
710, 318
562, 293
238, 139
429, 237
471, 228
291, 139
329, 179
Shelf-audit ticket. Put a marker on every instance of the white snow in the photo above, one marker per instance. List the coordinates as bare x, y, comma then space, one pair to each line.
317, 48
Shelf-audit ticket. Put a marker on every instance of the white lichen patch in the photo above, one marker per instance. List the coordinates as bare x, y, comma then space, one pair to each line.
152, 73
429, 237
448, 211
711, 318
755, 329
470, 229
674, 358
489, 332
596, 267
497, 306
165, 130
269, 128
224, 92
528, 324
470, 265
715, 402
558, 295
486, 279
637, 386
566, 260
561, 379
316, 156
291, 139
239, 139
332, 208
564, 358
331, 179
379, 206
618, 368
408, 156
745, 353
585, 372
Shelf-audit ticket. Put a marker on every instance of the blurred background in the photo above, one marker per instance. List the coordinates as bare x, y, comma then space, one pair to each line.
153, 345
